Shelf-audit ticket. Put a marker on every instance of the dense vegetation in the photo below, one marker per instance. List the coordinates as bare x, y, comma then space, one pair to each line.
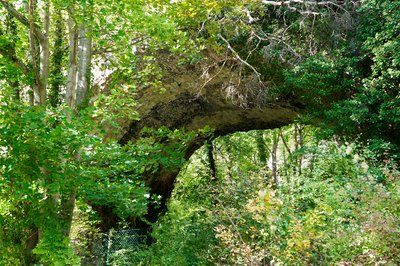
331, 206
323, 191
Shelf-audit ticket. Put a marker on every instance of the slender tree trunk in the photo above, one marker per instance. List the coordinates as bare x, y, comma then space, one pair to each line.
275, 140
299, 144
57, 58
287, 158
40, 54
261, 148
227, 155
84, 66
213, 170
312, 159
34, 53
72, 63
211, 159
67, 207
31, 243
45, 56
285, 144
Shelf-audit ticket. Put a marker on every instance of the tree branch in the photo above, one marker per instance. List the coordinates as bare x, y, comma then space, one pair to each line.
239, 58
33, 48
21, 18
304, 2
309, 2
112, 49
284, 142
279, 39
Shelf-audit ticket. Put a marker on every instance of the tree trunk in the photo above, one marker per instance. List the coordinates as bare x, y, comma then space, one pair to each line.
211, 160
213, 169
275, 140
72, 63
84, 67
67, 207
298, 144
40, 54
38, 46
30, 244
57, 58
262, 149
45, 56
34, 54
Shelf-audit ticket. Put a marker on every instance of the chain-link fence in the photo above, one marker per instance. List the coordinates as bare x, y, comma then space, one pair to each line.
120, 246
117, 247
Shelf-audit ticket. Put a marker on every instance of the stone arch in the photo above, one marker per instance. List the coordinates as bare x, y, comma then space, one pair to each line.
184, 105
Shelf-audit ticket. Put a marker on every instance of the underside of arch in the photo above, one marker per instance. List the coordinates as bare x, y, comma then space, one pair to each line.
192, 102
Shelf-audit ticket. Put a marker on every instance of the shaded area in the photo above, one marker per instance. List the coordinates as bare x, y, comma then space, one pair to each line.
191, 104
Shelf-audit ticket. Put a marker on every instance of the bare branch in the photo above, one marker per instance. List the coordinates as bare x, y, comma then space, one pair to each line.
251, 19
112, 49
205, 75
240, 59
272, 3
304, 2
105, 51
288, 3
263, 36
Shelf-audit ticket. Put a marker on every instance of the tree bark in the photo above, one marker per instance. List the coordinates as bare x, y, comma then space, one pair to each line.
261, 147
275, 140
30, 244
72, 63
299, 140
57, 58
211, 160
37, 87
40, 54
67, 207
84, 66
45, 56
213, 185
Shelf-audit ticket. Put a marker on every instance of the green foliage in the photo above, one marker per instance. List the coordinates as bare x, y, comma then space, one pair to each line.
354, 91
55, 250
320, 81
187, 228
50, 157
86, 238
46, 159
328, 200
38, 169
334, 210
